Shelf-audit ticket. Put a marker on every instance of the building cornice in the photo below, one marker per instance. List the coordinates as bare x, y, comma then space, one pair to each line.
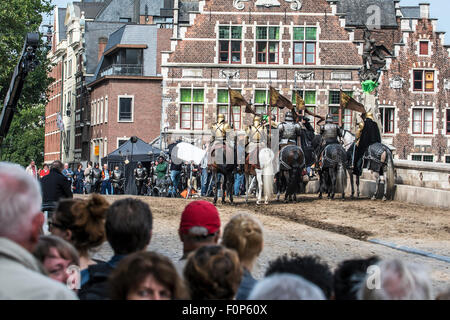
106, 78
260, 66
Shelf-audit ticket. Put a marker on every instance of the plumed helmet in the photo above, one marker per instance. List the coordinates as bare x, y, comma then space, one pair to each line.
289, 117
220, 117
329, 118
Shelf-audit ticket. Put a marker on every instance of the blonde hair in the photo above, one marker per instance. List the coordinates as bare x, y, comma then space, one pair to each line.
244, 233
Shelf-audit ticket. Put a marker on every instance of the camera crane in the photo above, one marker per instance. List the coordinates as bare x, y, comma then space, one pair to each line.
26, 64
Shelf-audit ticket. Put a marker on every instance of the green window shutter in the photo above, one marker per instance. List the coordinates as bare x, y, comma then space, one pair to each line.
260, 96
274, 33
310, 97
311, 33
198, 95
224, 32
294, 98
236, 32
185, 95
222, 96
261, 33
299, 33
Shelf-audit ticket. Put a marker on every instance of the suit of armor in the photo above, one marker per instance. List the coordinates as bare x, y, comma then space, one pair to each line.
330, 133
140, 175
289, 131
117, 180
96, 179
219, 130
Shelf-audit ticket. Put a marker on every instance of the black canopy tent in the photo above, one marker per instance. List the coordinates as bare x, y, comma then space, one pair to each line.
134, 153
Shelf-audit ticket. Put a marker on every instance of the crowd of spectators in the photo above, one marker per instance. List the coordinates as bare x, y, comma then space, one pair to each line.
213, 265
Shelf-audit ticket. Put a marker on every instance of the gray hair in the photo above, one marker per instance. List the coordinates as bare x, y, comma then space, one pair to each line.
284, 286
20, 198
397, 281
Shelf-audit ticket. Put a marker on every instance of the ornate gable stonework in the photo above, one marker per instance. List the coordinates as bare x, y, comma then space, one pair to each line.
295, 4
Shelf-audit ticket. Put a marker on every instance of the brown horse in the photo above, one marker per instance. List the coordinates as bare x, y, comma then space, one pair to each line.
217, 164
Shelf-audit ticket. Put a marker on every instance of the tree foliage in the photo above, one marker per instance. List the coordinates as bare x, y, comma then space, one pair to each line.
25, 140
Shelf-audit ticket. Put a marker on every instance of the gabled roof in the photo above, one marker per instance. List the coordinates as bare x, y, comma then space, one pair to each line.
132, 34
356, 12
90, 9
61, 26
410, 12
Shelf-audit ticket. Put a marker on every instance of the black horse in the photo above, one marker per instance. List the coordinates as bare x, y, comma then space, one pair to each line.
332, 172
289, 177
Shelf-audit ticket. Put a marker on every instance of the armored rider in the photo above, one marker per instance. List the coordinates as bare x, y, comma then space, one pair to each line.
219, 130
140, 176
117, 180
330, 132
289, 131
367, 133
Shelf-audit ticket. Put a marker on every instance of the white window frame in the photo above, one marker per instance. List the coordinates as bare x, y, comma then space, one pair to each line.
118, 108
106, 109
101, 110
121, 139
381, 108
429, 48
434, 119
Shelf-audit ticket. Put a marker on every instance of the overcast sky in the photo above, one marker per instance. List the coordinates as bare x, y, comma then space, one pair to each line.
439, 9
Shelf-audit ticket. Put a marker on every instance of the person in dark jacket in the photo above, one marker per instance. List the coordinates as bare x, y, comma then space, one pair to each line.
79, 176
124, 238
55, 185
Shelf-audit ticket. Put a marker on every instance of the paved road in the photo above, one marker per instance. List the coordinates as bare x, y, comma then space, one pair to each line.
281, 236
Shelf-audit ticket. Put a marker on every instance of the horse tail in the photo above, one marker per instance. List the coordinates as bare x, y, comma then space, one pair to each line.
389, 176
266, 157
341, 178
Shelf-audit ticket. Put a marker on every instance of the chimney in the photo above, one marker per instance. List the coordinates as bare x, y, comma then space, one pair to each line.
101, 47
424, 10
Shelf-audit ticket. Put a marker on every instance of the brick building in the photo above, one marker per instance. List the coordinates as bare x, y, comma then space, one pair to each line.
315, 46
288, 44
414, 94
53, 134
125, 93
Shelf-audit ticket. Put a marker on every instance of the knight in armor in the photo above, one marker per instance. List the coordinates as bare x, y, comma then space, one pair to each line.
96, 178
140, 176
289, 131
219, 130
330, 132
117, 179
368, 133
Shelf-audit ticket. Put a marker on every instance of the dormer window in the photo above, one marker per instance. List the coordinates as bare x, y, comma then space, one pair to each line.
423, 48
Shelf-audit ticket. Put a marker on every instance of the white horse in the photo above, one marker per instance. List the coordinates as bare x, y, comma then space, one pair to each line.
263, 173
380, 162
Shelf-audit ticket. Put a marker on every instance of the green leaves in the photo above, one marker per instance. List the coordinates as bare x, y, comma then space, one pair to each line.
25, 140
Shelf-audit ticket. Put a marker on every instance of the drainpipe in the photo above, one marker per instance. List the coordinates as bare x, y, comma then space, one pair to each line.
61, 108
176, 9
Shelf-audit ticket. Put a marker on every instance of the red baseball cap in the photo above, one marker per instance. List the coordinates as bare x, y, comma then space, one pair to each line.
200, 213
